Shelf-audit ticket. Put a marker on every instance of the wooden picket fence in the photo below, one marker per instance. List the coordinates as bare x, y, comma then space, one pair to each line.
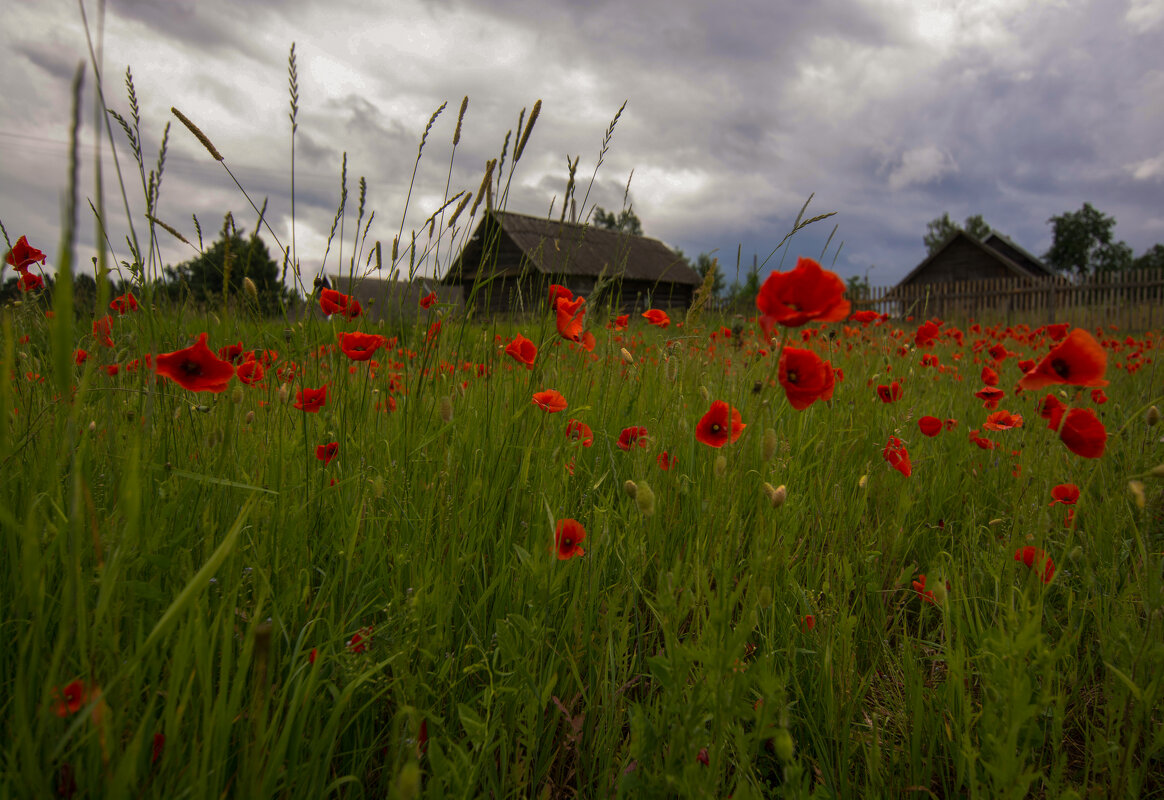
1132, 300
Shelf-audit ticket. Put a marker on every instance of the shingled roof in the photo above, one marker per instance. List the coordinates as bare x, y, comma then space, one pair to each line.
996, 248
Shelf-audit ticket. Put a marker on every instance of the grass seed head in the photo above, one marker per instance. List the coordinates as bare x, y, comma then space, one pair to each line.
630, 489
1137, 490
720, 466
776, 494
770, 442
644, 499
446, 410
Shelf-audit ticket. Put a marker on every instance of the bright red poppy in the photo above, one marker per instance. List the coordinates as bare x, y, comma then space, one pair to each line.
125, 303
70, 699
806, 294
621, 322
919, 588
569, 316
522, 350
1098, 396
890, 393
1052, 409
895, 453
231, 352
989, 376
250, 371
805, 377
23, 255
1083, 433
360, 346
982, 441
1035, 558
719, 425
930, 426
80, 356
926, 333
1065, 493
568, 536
1002, 421
333, 302
428, 301
631, 435
311, 400
865, 317
556, 292
196, 368
990, 396
665, 460
326, 452
657, 317
1079, 360
551, 401
360, 640
579, 431
29, 281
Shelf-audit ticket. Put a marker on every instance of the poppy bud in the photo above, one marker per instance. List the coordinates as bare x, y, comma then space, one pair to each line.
720, 465
92, 426
408, 781
236, 396
769, 444
644, 499
250, 289
626, 356
940, 592
446, 410
783, 745
284, 393
630, 489
250, 417
861, 484
1153, 415
776, 495
1137, 490
706, 395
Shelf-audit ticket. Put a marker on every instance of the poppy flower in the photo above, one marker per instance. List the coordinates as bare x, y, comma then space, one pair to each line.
1083, 433
523, 350
1079, 360
196, 368
568, 534
360, 640
1065, 493
360, 346
125, 303
556, 292
925, 335
806, 294
1003, 421
156, 747
982, 441
620, 322
551, 401
250, 371
657, 317
809, 623
989, 376
29, 282
805, 377
1034, 558
102, 329
434, 331
23, 255
580, 431
333, 302
569, 316
889, 394
665, 460
864, 317
80, 356
1052, 409
990, 396
1098, 397
71, 699
311, 400
428, 301
628, 437
919, 588
930, 426
895, 453
719, 425
230, 352
326, 452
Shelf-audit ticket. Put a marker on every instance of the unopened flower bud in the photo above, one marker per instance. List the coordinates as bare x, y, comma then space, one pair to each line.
626, 356
706, 395
250, 289
1137, 490
783, 745
630, 489
92, 426
644, 499
1153, 415
236, 395
776, 494
720, 465
940, 591
769, 444
446, 410
284, 393
863, 482
249, 418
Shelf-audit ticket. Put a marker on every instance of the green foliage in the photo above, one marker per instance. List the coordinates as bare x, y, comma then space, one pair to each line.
226, 264
626, 221
942, 229
1152, 258
857, 287
1084, 244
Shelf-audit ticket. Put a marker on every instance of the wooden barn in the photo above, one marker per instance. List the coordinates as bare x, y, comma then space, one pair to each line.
966, 258
384, 299
511, 260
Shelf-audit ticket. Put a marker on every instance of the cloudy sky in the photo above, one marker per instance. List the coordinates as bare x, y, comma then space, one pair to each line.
890, 111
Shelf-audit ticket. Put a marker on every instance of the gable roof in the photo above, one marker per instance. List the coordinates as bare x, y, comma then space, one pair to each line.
1018, 255
995, 252
550, 247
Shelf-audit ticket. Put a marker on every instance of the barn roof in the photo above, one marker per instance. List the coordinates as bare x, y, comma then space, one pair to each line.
552, 247
998, 248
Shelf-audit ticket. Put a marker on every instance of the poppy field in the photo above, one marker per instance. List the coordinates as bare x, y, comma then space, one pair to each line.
810, 551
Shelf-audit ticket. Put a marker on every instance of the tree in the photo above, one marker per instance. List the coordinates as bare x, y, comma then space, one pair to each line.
626, 221
857, 288
1083, 244
941, 230
1153, 258
206, 275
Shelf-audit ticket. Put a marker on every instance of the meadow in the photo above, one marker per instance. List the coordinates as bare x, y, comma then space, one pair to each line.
804, 552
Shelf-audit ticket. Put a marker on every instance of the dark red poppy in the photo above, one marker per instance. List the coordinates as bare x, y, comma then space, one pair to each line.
805, 377
1052, 409
982, 441
551, 401
231, 352
434, 331
360, 640
125, 303
1065, 493
80, 356
71, 699
1057, 331
196, 368
156, 747
895, 453
522, 350
1027, 364
926, 333
621, 322
890, 393
989, 376
1098, 396
990, 396
557, 292
809, 623
23, 255
333, 302
1083, 433
865, 317
657, 317
719, 425
930, 426
628, 437
29, 281
1002, 421
569, 317
428, 301
326, 452
806, 294
1079, 360
250, 371
1035, 558
580, 432
311, 400
665, 460
360, 346
568, 536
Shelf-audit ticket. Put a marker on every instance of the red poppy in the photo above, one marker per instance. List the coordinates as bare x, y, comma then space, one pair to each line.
919, 588
806, 294
326, 452
864, 317
1003, 421
311, 400
568, 534
805, 377
569, 315
1052, 409
429, 300
80, 356
1065, 493
1034, 558
889, 394
580, 431
71, 699
1083, 433
523, 350
230, 352
982, 441
196, 368
720, 424
551, 401
23, 255
360, 346
620, 322
989, 376
628, 437
434, 331
125, 303
809, 623
665, 460
1098, 397
250, 371
895, 453
990, 397
930, 426
926, 333
360, 640
557, 292
156, 747
29, 282
333, 302
657, 317
1079, 360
